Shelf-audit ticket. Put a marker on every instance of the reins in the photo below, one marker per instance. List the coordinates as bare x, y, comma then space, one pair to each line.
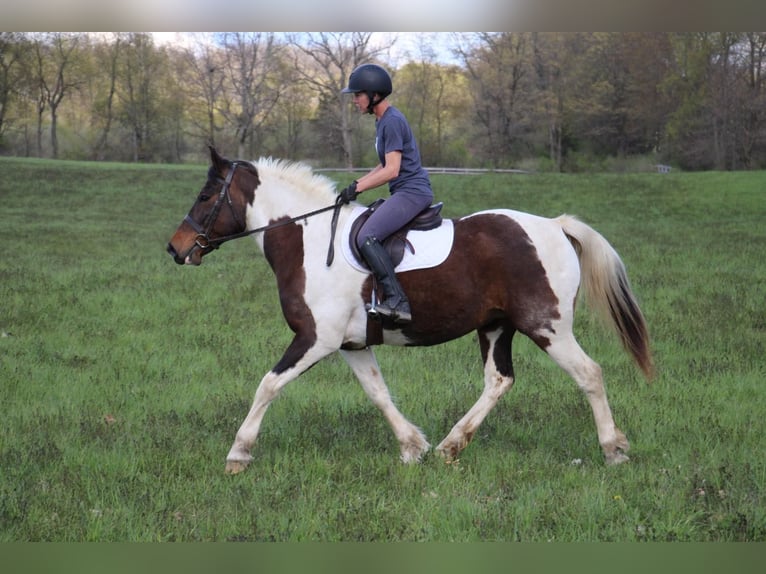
218, 241
203, 241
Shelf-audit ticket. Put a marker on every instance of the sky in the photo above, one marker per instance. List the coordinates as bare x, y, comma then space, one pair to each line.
284, 15
395, 15
407, 45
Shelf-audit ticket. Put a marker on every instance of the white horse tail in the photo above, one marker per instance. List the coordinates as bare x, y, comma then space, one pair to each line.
607, 291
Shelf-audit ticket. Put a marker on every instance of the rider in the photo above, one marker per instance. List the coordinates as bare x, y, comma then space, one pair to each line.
408, 182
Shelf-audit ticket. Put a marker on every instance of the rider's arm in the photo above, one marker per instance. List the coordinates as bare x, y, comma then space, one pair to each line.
381, 174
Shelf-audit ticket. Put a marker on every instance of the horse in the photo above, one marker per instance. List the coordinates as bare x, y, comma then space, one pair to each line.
505, 271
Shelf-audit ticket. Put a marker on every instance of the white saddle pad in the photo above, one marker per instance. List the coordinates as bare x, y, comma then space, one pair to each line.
431, 247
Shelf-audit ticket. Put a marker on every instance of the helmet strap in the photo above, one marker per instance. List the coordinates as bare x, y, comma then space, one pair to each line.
372, 104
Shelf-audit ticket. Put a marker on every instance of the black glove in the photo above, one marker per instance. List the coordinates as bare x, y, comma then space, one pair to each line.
348, 194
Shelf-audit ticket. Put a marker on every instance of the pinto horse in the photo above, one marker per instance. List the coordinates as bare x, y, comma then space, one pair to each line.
506, 271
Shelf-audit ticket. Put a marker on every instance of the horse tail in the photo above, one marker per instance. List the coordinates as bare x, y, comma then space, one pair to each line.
607, 291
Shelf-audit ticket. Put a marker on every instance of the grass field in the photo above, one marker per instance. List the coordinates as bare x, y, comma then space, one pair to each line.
124, 377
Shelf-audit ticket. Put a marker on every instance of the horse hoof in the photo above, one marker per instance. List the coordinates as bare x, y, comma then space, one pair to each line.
235, 466
617, 457
414, 453
448, 453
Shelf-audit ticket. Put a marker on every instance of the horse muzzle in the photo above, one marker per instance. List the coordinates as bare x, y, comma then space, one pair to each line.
192, 257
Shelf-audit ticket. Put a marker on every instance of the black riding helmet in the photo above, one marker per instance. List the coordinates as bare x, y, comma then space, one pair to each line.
370, 79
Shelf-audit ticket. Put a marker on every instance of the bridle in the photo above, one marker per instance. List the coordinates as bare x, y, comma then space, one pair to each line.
203, 240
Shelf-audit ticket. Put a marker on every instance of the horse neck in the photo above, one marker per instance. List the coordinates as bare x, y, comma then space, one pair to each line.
283, 194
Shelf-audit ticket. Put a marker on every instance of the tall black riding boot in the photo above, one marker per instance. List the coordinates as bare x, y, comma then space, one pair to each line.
395, 305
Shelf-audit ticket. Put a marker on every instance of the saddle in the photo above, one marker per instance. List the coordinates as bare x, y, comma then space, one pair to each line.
396, 243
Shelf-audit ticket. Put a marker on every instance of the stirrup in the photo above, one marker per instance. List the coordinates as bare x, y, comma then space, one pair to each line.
401, 317
382, 311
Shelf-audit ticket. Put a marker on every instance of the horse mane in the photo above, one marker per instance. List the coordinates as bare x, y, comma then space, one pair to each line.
299, 175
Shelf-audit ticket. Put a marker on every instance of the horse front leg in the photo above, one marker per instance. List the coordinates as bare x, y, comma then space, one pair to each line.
299, 356
412, 442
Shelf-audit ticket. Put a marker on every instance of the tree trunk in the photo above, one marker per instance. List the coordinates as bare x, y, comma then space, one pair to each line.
54, 134
40, 111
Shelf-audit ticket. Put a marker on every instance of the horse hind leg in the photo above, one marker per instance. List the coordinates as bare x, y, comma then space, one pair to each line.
498, 379
568, 354
412, 442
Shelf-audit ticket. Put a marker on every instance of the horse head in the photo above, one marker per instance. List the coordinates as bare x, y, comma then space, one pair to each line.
219, 210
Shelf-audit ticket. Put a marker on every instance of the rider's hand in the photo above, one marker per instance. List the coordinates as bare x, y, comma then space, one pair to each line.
348, 194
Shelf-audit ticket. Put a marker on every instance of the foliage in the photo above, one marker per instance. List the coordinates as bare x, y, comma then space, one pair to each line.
693, 100
124, 378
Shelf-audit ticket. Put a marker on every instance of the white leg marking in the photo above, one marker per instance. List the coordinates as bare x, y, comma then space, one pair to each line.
587, 374
411, 439
268, 390
495, 386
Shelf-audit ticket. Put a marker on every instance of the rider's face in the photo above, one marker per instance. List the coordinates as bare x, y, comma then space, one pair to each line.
361, 101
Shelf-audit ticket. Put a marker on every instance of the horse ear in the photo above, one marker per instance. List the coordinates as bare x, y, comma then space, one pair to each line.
219, 162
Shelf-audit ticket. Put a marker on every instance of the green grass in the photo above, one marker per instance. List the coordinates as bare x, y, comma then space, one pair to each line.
124, 378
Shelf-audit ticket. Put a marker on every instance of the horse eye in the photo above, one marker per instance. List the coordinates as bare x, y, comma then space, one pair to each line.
203, 198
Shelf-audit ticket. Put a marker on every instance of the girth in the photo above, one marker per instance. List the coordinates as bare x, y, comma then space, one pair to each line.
396, 243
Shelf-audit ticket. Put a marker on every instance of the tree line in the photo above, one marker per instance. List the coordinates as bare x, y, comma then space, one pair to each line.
549, 101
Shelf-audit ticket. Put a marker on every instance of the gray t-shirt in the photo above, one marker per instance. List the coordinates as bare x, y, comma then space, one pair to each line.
393, 133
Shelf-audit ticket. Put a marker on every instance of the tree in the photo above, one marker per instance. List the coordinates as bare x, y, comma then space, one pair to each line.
754, 107
287, 129
203, 67
250, 62
553, 59
499, 67
325, 61
693, 99
107, 58
142, 67
11, 50
56, 61
706, 88
723, 84
420, 90
648, 57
